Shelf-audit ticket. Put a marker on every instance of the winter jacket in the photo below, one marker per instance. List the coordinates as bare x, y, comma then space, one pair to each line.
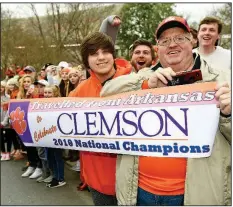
208, 180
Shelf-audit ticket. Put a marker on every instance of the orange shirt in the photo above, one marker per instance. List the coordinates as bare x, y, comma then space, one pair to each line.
14, 94
99, 169
162, 175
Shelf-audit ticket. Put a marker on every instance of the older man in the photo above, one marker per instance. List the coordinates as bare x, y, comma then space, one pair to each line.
176, 181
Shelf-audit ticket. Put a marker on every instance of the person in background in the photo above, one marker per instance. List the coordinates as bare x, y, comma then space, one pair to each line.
209, 31
46, 173
65, 86
177, 181
5, 134
75, 78
54, 155
40, 85
142, 52
30, 70
21, 73
12, 90
98, 169
53, 75
110, 26
194, 40
18, 69
9, 73
43, 73
26, 91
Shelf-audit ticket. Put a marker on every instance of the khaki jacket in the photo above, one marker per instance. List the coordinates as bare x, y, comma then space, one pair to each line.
208, 180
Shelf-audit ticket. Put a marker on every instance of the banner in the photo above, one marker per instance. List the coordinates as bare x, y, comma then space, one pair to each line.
179, 121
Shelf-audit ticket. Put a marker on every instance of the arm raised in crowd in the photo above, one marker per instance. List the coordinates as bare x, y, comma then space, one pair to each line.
110, 26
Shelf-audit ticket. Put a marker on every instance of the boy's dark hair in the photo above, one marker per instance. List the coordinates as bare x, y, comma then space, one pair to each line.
92, 43
142, 42
211, 20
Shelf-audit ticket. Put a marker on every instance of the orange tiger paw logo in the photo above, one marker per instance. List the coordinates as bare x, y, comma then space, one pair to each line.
17, 121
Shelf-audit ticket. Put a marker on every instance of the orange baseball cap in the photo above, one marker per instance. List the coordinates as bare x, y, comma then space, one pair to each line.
172, 21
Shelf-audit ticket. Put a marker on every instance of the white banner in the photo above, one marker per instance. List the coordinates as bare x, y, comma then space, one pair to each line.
155, 122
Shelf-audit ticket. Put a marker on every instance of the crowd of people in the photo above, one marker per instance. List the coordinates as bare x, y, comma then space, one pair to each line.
44, 164
125, 179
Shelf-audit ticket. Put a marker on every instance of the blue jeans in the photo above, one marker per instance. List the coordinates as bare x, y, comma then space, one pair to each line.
56, 163
145, 198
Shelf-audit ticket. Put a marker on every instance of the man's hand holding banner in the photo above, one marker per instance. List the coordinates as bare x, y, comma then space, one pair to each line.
178, 121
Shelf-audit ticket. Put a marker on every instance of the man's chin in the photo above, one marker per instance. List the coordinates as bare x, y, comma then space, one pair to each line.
139, 67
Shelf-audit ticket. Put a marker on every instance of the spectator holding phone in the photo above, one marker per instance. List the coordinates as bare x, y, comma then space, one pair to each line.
202, 181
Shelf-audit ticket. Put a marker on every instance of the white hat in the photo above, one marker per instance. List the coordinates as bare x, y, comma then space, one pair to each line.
42, 82
13, 81
52, 67
63, 64
73, 70
3, 83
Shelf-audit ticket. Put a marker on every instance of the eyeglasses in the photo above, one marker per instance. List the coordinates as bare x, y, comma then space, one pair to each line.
178, 39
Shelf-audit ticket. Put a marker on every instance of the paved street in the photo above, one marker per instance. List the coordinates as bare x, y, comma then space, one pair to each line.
16, 190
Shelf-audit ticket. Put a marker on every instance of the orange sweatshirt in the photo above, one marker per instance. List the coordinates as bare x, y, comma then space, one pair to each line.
99, 169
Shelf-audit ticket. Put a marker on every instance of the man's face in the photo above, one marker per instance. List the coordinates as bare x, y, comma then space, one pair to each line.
101, 62
141, 57
208, 35
176, 56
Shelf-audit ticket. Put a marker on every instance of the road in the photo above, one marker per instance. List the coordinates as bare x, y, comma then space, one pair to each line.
16, 190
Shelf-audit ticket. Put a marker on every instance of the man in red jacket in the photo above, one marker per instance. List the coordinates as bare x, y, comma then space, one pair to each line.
99, 169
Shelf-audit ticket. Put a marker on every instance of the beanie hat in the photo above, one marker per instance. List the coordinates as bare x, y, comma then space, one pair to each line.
73, 70
66, 70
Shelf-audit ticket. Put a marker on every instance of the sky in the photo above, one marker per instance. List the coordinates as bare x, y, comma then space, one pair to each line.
195, 11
